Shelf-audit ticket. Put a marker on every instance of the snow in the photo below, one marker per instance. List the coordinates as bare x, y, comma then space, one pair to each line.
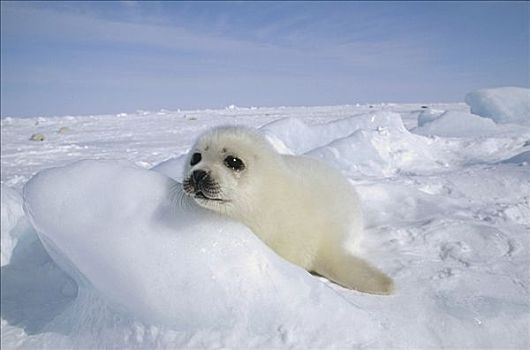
455, 124
173, 167
306, 138
522, 158
503, 105
428, 115
12, 214
110, 255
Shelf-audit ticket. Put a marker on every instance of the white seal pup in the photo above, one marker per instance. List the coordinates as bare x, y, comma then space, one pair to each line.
303, 209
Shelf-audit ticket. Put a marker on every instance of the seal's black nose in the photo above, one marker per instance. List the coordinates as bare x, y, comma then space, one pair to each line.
199, 175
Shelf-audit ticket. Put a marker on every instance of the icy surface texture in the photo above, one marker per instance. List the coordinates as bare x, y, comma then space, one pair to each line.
503, 105
455, 124
446, 216
13, 222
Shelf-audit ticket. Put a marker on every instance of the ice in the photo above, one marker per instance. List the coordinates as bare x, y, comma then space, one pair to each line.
522, 158
11, 220
376, 153
428, 115
455, 124
129, 238
503, 105
294, 135
373, 144
447, 216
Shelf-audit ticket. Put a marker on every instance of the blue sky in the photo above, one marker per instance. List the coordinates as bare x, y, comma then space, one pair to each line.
73, 58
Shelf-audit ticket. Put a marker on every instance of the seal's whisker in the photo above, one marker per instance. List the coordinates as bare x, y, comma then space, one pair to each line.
173, 189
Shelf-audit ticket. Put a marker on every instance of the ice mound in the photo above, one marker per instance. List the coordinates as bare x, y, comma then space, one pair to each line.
503, 105
292, 135
455, 124
379, 151
428, 115
374, 144
128, 237
12, 215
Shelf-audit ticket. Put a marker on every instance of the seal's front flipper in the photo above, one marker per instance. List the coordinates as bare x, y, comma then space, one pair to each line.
352, 272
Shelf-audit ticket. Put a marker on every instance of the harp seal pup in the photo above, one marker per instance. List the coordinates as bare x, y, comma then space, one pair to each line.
301, 208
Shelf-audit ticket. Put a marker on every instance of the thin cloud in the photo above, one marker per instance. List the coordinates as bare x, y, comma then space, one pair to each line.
251, 53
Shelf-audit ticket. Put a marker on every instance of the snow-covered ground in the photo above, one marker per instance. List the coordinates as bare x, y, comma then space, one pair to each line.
106, 255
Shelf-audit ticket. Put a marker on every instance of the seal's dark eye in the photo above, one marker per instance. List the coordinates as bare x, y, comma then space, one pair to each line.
234, 163
195, 158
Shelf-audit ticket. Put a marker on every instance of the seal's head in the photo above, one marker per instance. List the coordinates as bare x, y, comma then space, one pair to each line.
225, 169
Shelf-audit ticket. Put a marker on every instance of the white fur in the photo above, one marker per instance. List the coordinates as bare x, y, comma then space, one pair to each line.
303, 209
